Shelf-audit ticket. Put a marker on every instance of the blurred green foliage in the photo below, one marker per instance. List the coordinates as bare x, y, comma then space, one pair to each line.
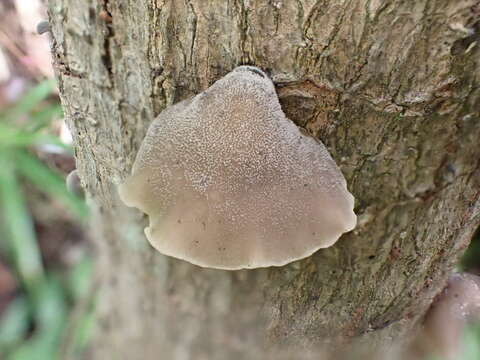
34, 325
471, 343
471, 259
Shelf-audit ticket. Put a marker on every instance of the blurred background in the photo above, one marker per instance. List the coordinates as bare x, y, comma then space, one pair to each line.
46, 293
46, 300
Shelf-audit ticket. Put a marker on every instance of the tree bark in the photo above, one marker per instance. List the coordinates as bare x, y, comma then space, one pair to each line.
390, 87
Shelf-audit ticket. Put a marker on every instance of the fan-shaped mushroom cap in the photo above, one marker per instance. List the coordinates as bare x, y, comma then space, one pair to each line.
229, 182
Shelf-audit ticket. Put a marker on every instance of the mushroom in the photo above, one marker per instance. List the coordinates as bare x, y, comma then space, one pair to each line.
74, 184
445, 322
43, 27
229, 182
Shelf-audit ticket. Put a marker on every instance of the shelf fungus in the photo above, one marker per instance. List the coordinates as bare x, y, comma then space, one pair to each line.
229, 182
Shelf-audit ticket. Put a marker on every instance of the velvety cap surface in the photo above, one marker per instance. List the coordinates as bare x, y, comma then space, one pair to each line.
229, 182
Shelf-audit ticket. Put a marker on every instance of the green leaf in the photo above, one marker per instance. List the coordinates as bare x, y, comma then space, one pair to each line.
34, 349
13, 137
51, 309
43, 117
50, 312
80, 278
31, 99
471, 343
21, 236
49, 181
84, 332
14, 323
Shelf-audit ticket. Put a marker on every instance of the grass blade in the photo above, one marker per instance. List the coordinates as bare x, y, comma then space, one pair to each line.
31, 99
49, 181
22, 242
43, 117
50, 319
12, 137
14, 324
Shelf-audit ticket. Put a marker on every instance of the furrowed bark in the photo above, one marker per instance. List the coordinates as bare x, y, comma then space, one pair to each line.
391, 88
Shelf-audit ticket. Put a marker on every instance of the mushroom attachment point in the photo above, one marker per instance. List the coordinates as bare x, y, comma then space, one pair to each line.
229, 182
43, 27
74, 184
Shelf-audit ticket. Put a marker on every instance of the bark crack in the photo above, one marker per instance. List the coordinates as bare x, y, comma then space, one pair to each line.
333, 34
106, 16
276, 13
194, 29
243, 32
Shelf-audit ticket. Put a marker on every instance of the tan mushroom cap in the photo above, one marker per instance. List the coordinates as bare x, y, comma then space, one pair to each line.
229, 182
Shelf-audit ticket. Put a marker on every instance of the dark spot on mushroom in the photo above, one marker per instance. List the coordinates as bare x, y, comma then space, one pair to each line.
371, 257
179, 221
255, 71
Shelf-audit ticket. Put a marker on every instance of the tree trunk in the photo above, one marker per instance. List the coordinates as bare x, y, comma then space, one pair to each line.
390, 87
